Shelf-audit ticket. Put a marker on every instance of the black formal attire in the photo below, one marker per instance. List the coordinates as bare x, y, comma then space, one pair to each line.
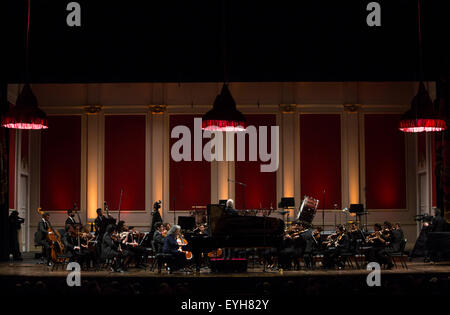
70, 221
171, 247
158, 241
377, 253
139, 252
40, 238
101, 223
15, 223
286, 254
438, 224
230, 211
332, 253
82, 255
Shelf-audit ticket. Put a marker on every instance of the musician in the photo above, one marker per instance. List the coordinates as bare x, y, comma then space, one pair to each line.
138, 251
167, 227
377, 252
42, 234
171, 247
158, 238
76, 249
229, 208
111, 249
70, 219
336, 246
201, 230
288, 248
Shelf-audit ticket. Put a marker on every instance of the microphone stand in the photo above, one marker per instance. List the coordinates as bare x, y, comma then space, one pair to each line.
323, 211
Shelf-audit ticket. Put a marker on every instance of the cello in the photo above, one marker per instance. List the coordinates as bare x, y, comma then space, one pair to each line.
54, 240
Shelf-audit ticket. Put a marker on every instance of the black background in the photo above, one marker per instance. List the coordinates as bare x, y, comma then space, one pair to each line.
181, 41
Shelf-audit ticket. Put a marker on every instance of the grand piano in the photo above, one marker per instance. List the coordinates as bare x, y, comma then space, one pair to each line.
234, 231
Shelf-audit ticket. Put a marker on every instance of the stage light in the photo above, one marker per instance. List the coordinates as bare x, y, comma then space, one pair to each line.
25, 114
224, 116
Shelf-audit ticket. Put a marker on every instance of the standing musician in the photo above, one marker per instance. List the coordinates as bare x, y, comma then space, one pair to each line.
158, 237
70, 219
172, 247
40, 237
336, 246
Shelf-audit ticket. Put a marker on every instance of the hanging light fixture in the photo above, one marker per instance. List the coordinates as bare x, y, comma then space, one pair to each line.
422, 116
224, 115
25, 114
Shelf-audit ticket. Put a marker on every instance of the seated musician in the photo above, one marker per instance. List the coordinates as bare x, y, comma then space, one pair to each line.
41, 235
171, 247
336, 246
201, 230
74, 248
158, 237
229, 208
378, 241
288, 250
70, 219
111, 249
139, 252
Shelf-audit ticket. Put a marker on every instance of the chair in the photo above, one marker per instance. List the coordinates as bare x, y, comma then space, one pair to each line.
400, 255
160, 259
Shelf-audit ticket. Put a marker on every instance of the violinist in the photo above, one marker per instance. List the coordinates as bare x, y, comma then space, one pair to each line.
167, 227
41, 236
201, 230
337, 246
377, 253
288, 248
172, 247
75, 248
158, 237
138, 251
111, 249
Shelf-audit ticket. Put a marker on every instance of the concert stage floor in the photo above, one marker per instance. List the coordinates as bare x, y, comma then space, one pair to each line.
28, 277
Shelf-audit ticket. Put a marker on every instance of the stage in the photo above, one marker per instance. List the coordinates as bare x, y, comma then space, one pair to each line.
28, 277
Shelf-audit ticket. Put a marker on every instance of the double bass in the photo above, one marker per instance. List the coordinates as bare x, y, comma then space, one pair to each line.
54, 240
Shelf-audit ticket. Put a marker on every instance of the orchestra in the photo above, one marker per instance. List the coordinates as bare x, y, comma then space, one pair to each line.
118, 247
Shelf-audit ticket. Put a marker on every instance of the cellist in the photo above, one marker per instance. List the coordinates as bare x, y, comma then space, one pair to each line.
41, 236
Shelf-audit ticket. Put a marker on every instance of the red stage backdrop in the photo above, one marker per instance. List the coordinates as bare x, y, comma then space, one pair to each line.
261, 189
189, 181
385, 162
125, 161
12, 167
61, 163
320, 158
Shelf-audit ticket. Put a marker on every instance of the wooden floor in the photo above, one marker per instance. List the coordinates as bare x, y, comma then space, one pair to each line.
31, 268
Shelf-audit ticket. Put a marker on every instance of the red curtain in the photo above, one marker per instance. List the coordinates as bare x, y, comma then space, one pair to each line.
61, 163
385, 162
12, 166
189, 181
261, 189
125, 161
320, 158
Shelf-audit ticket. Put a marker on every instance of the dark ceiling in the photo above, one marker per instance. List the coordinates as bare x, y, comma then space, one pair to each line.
182, 41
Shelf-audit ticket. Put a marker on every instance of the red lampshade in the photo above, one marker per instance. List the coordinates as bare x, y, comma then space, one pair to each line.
422, 116
224, 116
25, 114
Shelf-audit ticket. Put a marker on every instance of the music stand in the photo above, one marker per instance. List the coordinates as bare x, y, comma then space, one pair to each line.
358, 209
286, 203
